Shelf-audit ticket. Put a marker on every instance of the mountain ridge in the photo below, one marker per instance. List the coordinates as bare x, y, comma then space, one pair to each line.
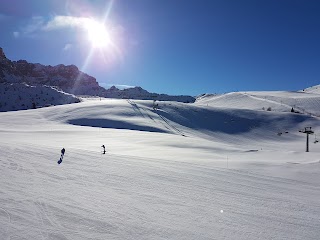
71, 80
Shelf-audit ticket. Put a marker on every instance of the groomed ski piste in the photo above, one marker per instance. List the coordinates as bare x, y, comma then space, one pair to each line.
220, 168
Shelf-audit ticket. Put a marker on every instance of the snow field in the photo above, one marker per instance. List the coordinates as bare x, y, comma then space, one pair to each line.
181, 172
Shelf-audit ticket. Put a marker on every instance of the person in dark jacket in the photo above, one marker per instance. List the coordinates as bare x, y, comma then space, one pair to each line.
104, 149
62, 154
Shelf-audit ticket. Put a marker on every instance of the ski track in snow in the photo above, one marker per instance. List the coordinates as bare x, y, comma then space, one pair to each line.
123, 198
164, 122
131, 193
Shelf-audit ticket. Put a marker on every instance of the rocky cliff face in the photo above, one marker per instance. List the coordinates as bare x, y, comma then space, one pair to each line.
66, 78
71, 80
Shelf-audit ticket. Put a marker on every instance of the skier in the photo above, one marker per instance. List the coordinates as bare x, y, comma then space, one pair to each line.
62, 154
155, 105
104, 149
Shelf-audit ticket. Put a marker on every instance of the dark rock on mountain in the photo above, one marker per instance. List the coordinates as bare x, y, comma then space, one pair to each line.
71, 80
66, 78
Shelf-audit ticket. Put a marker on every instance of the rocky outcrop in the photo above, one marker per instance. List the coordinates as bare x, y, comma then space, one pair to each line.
71, 80
67, 78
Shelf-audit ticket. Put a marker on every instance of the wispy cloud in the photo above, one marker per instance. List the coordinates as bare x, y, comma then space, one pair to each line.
16, 34
39, 24
91, 31
59, 22
67, 47
35, 25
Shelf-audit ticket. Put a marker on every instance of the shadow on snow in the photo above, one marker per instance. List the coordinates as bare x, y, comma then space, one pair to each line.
116, 124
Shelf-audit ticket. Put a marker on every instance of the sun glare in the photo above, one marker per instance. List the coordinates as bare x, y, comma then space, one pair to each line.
98, 35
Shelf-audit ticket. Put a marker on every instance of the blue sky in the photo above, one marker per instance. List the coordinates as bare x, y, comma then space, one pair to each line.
172, 46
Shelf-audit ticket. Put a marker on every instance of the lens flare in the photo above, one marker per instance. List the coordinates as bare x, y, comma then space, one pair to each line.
103, 42
98, 34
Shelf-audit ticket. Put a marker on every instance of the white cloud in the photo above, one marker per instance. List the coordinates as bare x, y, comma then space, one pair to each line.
65, 21
16, 34
59, 22
67, 47
32, 28
35, 25
38, 24
99, 34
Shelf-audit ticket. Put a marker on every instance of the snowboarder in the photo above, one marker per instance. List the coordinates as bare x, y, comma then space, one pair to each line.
104, 149
62, 154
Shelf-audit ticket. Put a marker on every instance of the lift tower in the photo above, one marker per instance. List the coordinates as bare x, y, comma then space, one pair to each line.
307, 130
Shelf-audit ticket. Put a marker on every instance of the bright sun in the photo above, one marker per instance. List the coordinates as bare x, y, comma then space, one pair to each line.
98, 34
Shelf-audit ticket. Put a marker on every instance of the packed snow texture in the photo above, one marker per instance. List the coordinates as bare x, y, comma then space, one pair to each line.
182, 171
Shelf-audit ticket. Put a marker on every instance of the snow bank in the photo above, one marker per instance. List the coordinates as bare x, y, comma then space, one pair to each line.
15, 96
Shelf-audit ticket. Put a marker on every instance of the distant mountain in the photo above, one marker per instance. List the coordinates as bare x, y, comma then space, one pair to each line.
71, 80
139, 93
67, 78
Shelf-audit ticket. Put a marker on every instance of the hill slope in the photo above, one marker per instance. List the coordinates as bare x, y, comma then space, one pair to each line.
279, 101
314, 89
182, 171
17, 96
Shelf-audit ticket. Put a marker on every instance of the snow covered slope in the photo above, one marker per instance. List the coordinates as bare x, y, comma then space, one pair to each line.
17, 96
279, 101
314, 89
184, 171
